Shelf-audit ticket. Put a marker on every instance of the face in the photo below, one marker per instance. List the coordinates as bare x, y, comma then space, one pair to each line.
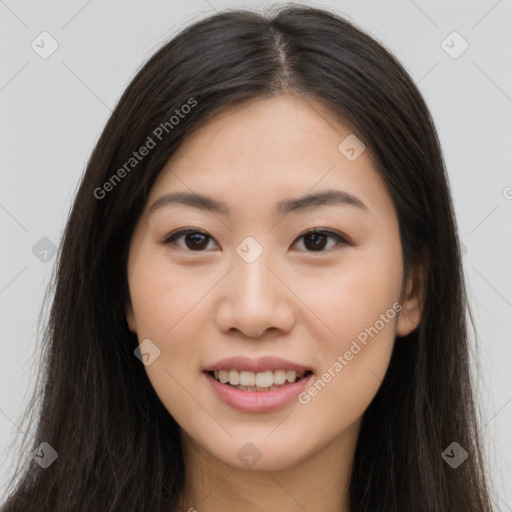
260, 273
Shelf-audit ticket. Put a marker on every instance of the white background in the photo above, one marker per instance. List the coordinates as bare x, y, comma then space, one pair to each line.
52, 111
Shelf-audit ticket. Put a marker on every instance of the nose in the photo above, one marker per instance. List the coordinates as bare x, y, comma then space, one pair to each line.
254, 300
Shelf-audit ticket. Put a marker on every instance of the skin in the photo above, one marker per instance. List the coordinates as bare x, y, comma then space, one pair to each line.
292, 302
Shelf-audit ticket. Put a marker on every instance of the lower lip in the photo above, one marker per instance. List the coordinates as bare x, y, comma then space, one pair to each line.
257, 401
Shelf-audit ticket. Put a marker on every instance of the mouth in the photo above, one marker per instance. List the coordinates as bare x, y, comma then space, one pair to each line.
268, 380
259, 385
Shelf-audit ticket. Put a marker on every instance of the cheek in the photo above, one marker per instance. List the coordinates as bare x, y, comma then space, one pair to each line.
359, 304
164, 300
354, 295
350, 379
169, 311
354, 363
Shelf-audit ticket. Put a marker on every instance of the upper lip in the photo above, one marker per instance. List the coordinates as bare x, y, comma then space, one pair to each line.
261, 364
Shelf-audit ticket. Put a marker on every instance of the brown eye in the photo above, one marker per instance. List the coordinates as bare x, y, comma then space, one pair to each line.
194, 240
317, 241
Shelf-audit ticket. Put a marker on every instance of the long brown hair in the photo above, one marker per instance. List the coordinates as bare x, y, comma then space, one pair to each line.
118, 447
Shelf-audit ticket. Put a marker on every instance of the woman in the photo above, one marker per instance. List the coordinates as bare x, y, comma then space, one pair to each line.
259, 301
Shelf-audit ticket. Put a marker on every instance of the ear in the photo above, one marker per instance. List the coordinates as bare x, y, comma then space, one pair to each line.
412, 299
130, 317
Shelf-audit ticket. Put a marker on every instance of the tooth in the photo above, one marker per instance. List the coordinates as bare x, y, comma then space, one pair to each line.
264, 379
252, 381
247, 378
279, 377
291, 375
234, 377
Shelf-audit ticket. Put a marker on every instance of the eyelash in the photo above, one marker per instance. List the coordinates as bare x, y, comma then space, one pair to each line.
340, 239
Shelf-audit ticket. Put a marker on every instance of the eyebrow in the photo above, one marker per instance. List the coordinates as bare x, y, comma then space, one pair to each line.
305, 203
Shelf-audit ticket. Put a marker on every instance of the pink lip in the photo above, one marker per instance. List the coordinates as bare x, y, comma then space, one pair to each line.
256, 365
257, 401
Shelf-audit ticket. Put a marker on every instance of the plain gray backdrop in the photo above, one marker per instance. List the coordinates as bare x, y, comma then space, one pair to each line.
53, 107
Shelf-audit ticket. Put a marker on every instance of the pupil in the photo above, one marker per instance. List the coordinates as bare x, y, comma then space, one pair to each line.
199, 241
318, 241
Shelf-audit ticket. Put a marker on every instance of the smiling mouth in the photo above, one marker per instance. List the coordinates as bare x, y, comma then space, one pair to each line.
258, 381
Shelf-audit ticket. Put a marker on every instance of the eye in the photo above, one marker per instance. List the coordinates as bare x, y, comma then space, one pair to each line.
313, 240
317, 241
194, 240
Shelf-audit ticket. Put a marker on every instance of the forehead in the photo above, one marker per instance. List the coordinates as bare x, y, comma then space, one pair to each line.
266, 150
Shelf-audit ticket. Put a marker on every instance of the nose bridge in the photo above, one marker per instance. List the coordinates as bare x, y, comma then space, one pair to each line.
253, 280
253, 299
